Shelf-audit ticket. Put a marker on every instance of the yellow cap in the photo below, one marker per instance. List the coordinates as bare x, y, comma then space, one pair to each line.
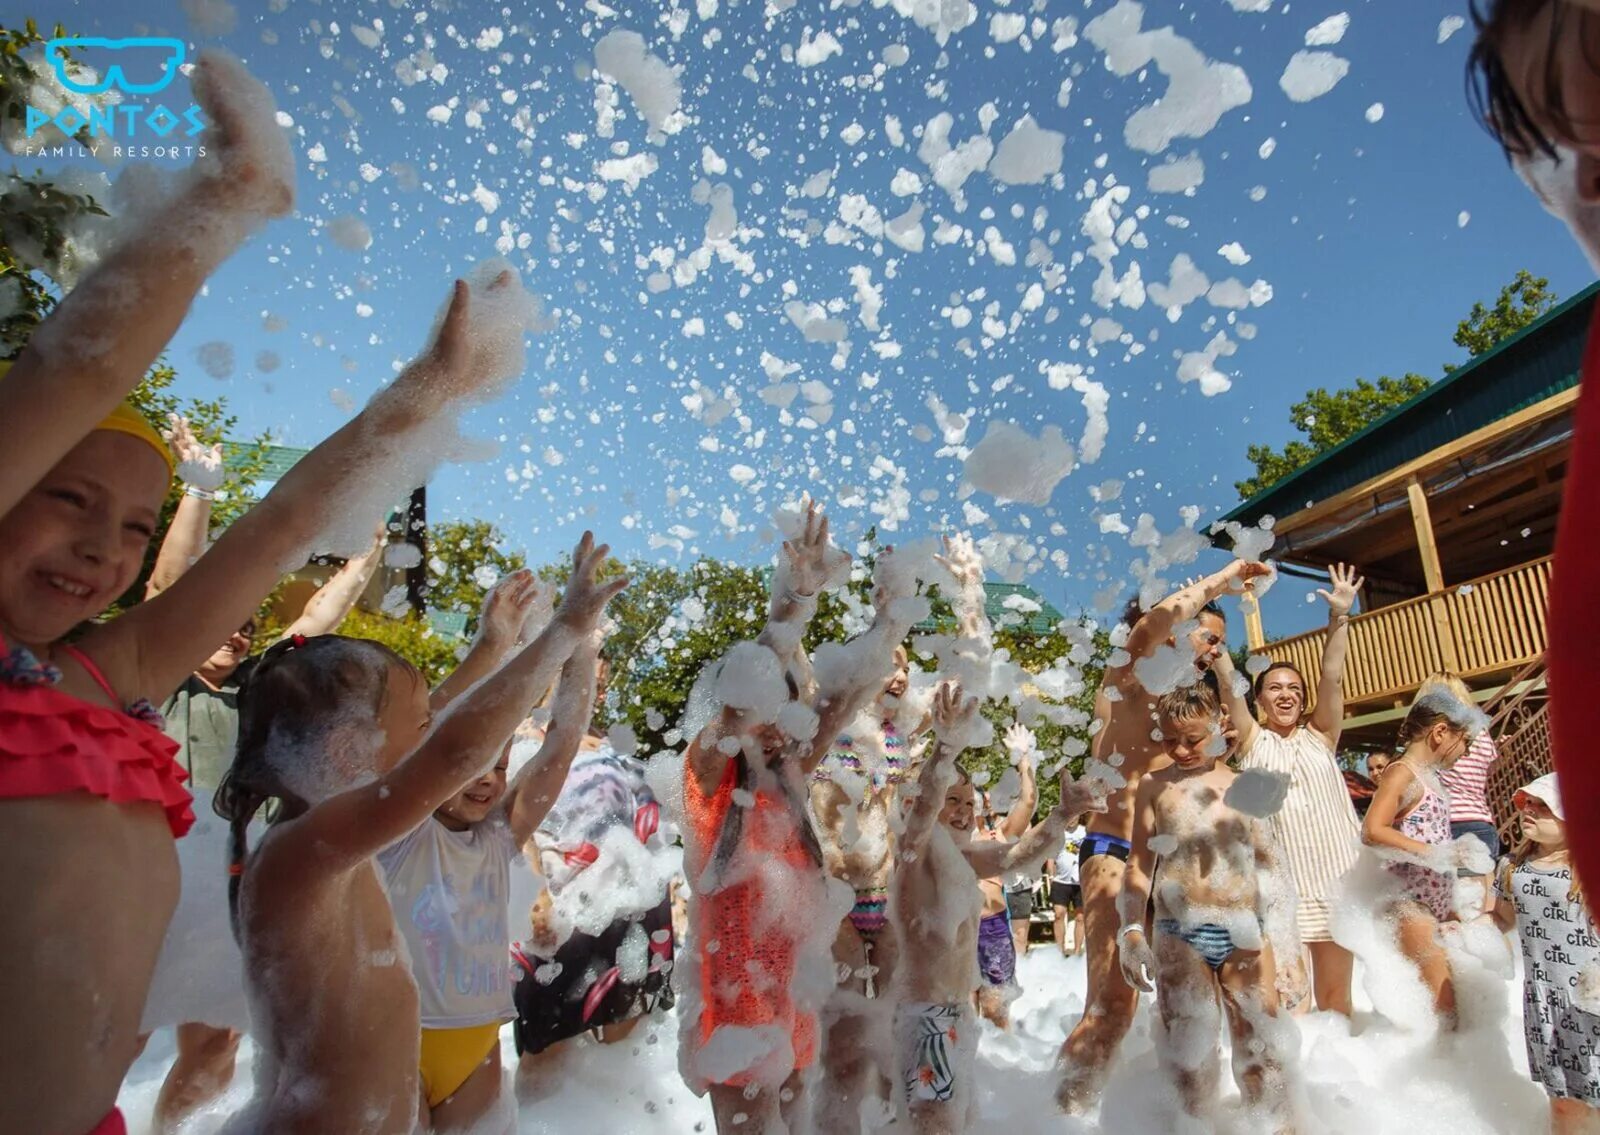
125, 419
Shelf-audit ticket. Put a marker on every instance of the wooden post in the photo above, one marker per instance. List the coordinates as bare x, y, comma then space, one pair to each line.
1255, 635
1432, 573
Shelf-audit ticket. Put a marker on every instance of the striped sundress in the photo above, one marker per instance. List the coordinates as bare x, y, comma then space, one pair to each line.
1316, 828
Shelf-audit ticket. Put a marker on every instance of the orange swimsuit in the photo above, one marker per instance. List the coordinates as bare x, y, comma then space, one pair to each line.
52, 743
745, 981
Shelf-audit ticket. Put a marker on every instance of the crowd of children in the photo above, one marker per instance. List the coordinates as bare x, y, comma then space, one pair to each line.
849, 920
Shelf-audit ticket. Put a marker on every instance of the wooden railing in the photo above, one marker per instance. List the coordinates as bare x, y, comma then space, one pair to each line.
1491, 625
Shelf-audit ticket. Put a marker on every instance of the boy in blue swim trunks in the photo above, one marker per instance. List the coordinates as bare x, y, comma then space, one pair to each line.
1210, 950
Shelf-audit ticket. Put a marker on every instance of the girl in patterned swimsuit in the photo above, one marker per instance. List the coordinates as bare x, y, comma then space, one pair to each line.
1410, 815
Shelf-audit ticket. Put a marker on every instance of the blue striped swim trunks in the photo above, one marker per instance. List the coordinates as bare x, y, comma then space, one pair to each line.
1212, 942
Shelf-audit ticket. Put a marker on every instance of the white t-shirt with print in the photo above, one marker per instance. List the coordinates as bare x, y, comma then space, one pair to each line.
450, 893
1066, 860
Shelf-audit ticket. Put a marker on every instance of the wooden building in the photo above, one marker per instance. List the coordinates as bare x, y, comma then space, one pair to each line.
1448, 506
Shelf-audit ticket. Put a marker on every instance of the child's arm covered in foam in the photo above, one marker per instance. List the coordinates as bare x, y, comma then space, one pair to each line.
538, 783
101, 338
464, 739
990, 858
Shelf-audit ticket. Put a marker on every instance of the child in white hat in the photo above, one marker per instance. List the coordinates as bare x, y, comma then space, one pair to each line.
1539, 895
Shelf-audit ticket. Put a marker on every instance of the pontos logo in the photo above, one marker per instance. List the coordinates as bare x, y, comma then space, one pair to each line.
140, 66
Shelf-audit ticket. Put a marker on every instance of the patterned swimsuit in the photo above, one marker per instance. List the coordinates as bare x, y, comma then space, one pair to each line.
1428, 822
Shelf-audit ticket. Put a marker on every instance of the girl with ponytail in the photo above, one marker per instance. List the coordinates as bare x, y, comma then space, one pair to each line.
1409, 823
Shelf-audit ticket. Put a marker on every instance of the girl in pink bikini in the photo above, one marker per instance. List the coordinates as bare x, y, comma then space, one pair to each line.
1410, 818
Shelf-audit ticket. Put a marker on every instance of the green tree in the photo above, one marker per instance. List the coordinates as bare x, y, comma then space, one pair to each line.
1521, 302
1329, 418
465, 559
411, 637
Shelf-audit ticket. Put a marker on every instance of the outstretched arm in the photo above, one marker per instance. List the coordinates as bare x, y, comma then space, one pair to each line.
97, 344
1161, 621
200, 469
952, 717
970, 601
515, 611
153, 647
803, 570
325, 610
1134, 953
538, 783
990, 858
464, 739
1327, 718
1020, 742
1228, 681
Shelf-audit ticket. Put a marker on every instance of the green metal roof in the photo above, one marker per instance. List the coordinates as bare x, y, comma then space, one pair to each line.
1042, 621
279, 458
1536, 363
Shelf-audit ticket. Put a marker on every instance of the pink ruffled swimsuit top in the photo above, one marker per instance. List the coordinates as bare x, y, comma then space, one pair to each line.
52, 743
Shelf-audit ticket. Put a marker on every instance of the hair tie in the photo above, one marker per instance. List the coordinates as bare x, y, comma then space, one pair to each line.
236, 868
297, 640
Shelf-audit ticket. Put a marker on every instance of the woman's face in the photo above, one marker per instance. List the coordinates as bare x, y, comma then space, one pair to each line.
78, 539
1283, 698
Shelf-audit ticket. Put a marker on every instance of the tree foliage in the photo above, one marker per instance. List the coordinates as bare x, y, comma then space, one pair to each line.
1329, 418
465, 559
1520, 302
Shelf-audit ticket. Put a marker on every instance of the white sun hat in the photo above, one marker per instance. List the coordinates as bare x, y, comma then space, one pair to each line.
1546, 790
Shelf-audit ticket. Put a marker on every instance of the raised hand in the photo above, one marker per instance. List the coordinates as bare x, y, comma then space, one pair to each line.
586, 597
461, 362
1138, 961
889, 582
1243, 573
952, 712
1019, 739
253, 170
507, 607
199, 465
806, 556
1080, 796
961, 560
1346, 583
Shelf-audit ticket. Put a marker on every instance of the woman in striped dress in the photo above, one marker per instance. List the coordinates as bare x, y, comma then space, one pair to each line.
1316, 829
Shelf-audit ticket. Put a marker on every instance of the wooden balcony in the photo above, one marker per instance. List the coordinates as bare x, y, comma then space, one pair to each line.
1483, 628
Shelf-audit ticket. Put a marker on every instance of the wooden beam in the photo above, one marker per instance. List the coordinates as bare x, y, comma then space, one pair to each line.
1551, 407
1432, 575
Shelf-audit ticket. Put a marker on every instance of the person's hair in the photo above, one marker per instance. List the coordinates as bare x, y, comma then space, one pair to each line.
1450, 683
1432, 707
1523, 850
1213, 608
1193, 702
1490, 90
285, 705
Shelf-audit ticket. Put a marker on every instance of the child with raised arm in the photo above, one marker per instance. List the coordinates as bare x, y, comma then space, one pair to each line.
997, 929
1211, 917
90, 797
449, 884
1187, 620
935, 907
751, 856
1408, 822
1540, 898
339, 732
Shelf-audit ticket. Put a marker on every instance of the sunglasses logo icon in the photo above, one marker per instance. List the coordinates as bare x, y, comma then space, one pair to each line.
138, 54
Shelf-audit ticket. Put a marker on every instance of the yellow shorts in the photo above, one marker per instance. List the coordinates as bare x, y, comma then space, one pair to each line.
451, 1056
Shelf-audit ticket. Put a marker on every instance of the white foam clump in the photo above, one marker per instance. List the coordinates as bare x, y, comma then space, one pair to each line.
1199, 90
1312, 74
350, 233
1257, 792
1329, 31
1028, 155
1177, 175
388, 467
649, 80
750, 679
1009, 464
1166, 668
228, 92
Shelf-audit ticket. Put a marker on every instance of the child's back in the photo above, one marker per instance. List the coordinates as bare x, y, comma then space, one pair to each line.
328, 966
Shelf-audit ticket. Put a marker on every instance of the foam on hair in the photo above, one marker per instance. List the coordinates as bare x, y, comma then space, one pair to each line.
1188, 703
1434, 706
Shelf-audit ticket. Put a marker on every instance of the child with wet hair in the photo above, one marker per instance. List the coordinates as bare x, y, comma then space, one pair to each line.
1541, 899
339, 736
936, 906
1408, 823
1212, 914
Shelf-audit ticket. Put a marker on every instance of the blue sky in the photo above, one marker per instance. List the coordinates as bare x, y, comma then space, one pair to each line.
1358, 234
